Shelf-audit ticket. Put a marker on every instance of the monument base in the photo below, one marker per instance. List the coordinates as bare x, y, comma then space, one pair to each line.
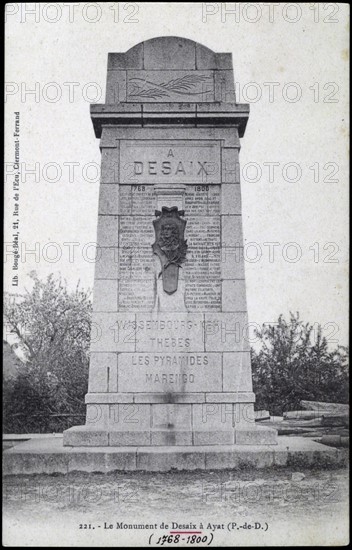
87, 436
169, 419
46, 454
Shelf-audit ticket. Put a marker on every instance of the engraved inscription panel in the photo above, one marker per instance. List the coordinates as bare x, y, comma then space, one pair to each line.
136, 263
170, 332
202, 205
169, 372
135, 232
169, 161
202, 200
203, 295
136, 295
136, 200
203, 268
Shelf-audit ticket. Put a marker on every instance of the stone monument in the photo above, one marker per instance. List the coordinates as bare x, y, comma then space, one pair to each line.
170, 358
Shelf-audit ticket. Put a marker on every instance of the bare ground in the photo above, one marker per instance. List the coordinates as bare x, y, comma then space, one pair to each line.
48, 510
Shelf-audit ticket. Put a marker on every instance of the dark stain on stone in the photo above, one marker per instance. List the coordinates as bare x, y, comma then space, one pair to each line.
169, 398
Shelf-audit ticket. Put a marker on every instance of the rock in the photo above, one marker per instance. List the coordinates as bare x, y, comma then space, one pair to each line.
297, 476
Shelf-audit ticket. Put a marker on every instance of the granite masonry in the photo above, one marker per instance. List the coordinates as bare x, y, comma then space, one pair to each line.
170, 360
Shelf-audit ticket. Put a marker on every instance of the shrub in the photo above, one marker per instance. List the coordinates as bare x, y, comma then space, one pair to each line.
52, 329
294, 362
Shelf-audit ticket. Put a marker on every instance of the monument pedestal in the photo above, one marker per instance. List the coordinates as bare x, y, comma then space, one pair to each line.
170, 357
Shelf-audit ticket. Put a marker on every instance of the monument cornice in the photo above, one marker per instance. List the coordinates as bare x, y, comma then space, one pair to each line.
175, 114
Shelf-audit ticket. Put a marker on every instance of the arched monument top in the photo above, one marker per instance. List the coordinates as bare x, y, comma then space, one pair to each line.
170, 52
170, 81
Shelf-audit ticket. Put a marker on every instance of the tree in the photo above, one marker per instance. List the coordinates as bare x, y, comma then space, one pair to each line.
295, 363
52, 328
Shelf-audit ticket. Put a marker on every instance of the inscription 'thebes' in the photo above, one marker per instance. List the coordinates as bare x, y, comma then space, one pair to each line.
172, 167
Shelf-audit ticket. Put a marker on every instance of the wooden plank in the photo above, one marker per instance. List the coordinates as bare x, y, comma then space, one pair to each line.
321, 406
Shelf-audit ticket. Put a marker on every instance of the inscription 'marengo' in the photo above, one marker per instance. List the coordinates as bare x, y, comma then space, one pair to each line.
165, 161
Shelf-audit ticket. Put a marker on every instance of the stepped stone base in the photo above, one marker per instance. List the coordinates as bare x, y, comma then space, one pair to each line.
86, 436
48, 455
228, 418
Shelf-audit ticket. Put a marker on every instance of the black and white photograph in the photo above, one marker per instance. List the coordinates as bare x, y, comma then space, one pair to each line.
176, 262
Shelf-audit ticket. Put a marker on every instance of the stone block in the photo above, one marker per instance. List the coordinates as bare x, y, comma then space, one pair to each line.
224, 86
82, 436
234, 295
109, 140
224, 459
129, 438
244, 413
108, 231
110, 163
259, 435
29, 463
105, 295
237, 374
213, 417
232, 236
168, 52
87, 462
102, 372
232, 262
165, 461
113, 332
107, 263
207, 59
132, 59
97, 416
230, 165
116, 86
130, 417
125, 461
235, 460
226, 332
171, 417
167, 438
108, 199
223, 437
280, 458
231, 199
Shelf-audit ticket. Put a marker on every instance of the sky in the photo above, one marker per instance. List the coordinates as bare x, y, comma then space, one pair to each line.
290, 64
